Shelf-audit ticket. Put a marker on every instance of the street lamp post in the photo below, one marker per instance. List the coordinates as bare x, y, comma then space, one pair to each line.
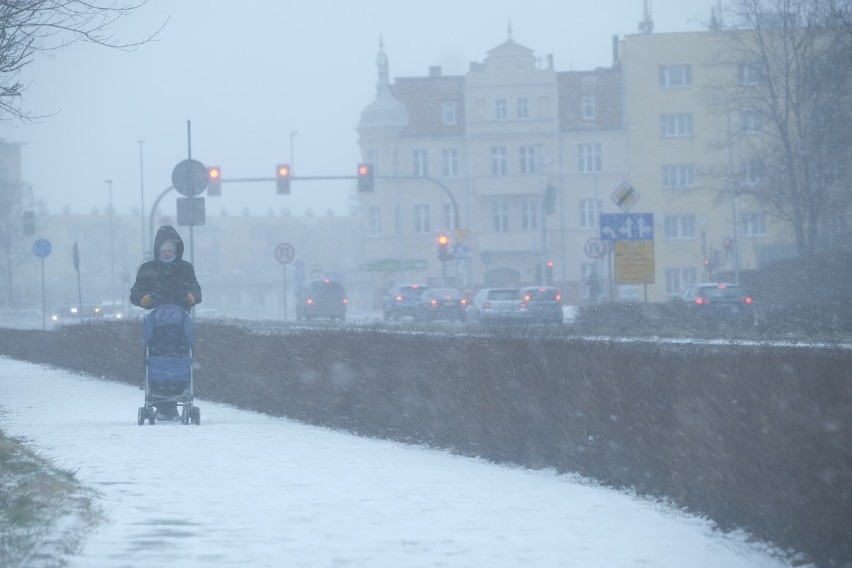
292, 135
142, 198
111, 246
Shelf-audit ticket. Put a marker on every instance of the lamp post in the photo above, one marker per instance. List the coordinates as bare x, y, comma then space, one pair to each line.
111, 246
142, 198
292, 135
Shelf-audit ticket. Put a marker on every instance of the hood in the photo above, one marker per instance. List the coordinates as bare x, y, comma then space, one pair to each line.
165, 233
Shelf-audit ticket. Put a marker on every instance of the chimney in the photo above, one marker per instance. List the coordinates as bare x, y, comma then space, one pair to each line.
616, 51
435, 71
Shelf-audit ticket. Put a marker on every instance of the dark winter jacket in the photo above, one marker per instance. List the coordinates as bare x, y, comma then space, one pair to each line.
166, 282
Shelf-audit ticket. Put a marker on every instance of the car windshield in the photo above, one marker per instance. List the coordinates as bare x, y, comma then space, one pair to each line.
503, 295
328, 291
412, 290
445, 293
722, 292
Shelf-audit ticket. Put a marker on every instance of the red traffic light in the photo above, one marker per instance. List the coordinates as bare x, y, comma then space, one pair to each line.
282, 179
214, 181
365, 177
550, 264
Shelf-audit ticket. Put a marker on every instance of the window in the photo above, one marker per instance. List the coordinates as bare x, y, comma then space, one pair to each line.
422, 219
528, 156
450, 217
500, 109
529, 213
673, 76
421, 163
678, 176
500, 216
676, 124
498, 161
750, 73
448, 112
589, 158
679, 279
753, 224
374, 221
588, 107
751, 121
753, 172
523, 108
590, 212
450, 162
679, 226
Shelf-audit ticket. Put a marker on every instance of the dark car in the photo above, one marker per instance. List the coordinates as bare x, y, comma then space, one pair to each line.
718, 302
441, 304
541, 304
402, 300
321, 299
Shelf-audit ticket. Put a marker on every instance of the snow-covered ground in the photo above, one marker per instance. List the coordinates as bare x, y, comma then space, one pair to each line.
244, 489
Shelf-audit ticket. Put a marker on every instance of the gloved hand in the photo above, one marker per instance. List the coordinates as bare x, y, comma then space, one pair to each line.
190, 299
146, 301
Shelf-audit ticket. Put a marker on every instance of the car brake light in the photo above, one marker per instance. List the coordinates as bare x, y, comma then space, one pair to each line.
309, 301
748, 299
434, 303
700, 301
527, 298
486, 306
558, 297
463, 302
524, 305
345, 300
398, 298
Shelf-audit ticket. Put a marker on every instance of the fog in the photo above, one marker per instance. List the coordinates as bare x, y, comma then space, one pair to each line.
272, 82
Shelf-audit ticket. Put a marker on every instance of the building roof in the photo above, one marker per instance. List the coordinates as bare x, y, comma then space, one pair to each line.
425, 97
605, 85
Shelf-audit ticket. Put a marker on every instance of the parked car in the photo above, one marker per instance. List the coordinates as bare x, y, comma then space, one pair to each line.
402, 300
441, 304
495, 305
324, 298
541, 304
719, 302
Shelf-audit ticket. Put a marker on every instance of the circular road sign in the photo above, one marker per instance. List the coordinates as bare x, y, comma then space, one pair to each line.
190, 177
594, 248
284, 253
42, 248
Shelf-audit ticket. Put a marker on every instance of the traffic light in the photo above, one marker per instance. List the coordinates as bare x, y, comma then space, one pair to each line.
214, 181
29, 223
549, 200
548, 277
729, 246
282, 178
365, 177
443, 247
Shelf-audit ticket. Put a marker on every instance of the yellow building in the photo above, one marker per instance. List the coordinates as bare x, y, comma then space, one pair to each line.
516, 162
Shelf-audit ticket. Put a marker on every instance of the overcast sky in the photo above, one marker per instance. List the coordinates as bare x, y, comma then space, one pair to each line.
248, 77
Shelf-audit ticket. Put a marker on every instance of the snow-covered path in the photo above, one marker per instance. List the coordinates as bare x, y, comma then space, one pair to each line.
244, 489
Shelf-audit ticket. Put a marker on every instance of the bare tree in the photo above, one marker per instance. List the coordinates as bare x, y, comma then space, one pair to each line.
30, 27
795, 87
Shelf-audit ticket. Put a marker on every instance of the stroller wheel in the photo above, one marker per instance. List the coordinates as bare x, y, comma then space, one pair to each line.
195, 415
140, 416
184, 415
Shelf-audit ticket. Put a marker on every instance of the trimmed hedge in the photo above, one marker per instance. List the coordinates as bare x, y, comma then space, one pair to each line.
752, 437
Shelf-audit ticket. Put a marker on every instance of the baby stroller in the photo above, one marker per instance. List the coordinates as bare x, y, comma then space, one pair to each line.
168, 335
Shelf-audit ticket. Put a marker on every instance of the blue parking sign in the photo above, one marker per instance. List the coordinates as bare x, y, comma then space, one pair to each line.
42, 248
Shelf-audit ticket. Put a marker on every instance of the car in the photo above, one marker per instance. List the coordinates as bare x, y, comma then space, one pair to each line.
541, 304
495, 305
718, 302
74, 314
402, 301
324, 298
441, 304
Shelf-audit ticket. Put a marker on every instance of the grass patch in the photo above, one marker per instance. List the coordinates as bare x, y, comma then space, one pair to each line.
44, 510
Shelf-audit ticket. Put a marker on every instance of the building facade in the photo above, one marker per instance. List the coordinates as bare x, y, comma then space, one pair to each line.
516, 161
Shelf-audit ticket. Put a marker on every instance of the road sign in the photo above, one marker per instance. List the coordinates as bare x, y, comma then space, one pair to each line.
42, 248
594, 248
627, 226
190, 177
634, 262
284, 253
191, 211
625, 196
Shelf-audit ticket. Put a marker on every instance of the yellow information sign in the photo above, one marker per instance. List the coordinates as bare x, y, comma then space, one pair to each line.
634, 262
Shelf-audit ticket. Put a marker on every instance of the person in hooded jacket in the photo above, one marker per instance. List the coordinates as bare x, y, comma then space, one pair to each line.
168, 279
